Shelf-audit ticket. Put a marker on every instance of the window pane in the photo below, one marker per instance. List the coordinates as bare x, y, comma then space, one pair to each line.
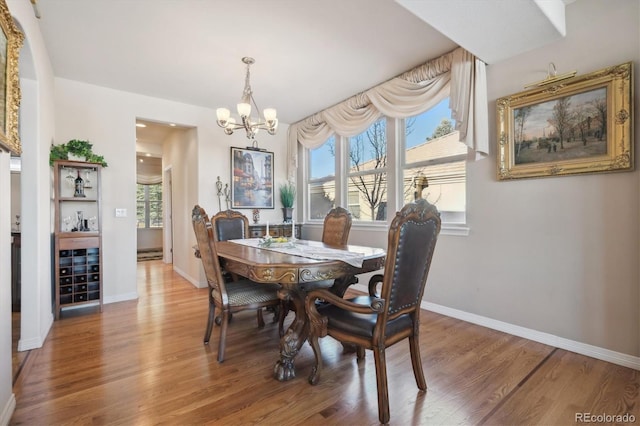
149, 206
155, 192
140, 213
322, 197
431, 137
155, 214
429, 125
368, 196
322, 185
368, 150
446, 185
367, 193
322, 160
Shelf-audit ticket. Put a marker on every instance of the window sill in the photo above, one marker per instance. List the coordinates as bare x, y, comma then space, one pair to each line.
457, 229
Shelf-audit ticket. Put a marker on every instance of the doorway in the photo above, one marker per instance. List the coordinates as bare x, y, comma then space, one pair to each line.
155, 227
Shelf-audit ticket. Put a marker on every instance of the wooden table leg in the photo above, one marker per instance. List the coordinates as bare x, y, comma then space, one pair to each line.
294, 337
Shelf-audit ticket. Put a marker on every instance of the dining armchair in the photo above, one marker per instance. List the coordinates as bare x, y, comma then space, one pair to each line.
375, 323
232, 297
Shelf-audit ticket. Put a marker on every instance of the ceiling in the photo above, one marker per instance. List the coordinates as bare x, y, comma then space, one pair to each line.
309, 54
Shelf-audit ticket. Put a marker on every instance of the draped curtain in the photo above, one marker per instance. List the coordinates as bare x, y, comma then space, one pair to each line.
457, 74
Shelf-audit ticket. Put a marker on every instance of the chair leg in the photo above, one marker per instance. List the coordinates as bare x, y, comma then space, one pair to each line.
212, 315
260, 318
416, 362
360, 353
383, 389
314, 377
223, 335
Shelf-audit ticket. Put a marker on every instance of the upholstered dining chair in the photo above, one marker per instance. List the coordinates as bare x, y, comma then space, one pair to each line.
335, 232
336, 227
375, 323
230, 225
233, 297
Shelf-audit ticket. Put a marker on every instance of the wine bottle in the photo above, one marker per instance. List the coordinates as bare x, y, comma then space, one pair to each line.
79, 185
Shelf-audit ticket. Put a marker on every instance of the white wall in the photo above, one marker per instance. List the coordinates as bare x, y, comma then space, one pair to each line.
149, 238
557, 255
106, 118
36, 132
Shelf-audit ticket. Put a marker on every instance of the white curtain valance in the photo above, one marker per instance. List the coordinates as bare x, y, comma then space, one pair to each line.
143, 179
457, 74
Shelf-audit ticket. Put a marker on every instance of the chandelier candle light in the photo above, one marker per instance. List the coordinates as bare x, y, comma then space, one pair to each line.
269, 122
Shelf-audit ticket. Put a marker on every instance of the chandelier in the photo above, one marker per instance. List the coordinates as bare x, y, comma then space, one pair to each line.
269, 122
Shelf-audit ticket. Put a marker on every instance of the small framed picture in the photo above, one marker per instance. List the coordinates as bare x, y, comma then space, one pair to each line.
251, 179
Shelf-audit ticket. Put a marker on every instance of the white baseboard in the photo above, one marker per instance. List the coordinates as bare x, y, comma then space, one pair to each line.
187, 277
8, 410
36, 342
537, 336
120, 297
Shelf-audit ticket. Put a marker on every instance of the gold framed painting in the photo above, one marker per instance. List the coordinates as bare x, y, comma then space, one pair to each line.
579, 125
11, 40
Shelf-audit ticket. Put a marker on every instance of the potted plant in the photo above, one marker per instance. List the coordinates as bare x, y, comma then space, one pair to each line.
81, 149
287, 197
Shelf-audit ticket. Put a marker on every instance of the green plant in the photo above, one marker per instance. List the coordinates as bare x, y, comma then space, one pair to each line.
76, 147
287, 194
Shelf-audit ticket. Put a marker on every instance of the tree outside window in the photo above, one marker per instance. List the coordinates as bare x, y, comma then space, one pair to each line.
149, 206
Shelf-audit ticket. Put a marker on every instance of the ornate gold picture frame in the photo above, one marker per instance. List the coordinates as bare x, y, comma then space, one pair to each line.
580, 125
11, 40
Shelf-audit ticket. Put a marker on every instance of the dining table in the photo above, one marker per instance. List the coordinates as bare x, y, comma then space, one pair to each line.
296, 266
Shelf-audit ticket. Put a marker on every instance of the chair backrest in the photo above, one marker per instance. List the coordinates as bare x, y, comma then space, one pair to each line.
208, 253
337, 224
412, 239
230, 225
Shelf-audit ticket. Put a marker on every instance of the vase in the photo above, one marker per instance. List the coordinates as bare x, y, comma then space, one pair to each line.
287, 214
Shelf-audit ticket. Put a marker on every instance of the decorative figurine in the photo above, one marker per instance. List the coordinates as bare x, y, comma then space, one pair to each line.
256, 216
227, 195
219, 188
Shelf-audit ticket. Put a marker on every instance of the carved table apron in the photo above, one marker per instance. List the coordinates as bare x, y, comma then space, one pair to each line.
292, 272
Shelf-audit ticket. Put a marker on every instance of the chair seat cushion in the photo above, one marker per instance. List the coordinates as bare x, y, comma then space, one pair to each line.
361, 324
245, 292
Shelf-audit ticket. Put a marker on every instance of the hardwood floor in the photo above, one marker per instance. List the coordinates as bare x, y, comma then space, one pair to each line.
143, 362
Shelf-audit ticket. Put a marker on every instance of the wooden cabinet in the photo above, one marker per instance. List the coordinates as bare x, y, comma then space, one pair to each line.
77, 260
276, 230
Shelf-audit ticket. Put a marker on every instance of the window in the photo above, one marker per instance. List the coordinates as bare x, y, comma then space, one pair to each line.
149, 206
322, 180
367, 174
432, 150
426, 145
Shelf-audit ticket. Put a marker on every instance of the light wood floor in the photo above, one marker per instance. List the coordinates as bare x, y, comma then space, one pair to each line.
143, 362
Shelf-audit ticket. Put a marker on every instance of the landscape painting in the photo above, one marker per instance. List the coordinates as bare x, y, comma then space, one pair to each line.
579, 125
564, 129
